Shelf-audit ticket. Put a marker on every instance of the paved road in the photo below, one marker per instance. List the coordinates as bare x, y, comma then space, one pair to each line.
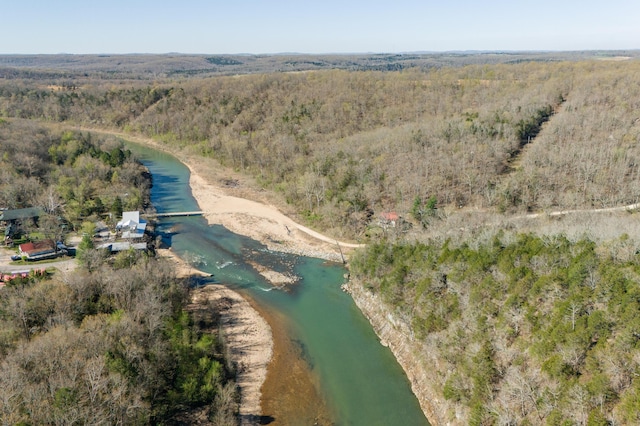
6, 265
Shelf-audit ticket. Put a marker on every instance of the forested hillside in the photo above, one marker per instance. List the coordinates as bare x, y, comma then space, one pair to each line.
151, 67
525, 329
111, 342
71, 176
340, 146
535, 327
112, 346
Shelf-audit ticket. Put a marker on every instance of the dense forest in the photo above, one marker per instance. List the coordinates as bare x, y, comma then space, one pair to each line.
341, 146
72, 176
113, 341
112, 346
528, 329
532, 327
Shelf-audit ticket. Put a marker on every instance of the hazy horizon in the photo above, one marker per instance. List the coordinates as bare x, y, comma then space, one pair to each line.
331, 27
425, 52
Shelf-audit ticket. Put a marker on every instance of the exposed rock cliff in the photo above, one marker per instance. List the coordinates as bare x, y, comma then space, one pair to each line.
421, 367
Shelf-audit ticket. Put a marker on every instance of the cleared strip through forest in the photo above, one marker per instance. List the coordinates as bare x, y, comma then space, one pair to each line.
528, 130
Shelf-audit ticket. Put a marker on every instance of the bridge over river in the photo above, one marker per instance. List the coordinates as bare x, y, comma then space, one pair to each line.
177, 214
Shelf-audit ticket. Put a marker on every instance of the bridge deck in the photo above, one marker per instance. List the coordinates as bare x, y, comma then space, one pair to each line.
176, 214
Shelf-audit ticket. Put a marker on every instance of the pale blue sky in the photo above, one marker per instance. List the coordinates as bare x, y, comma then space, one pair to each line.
329, 26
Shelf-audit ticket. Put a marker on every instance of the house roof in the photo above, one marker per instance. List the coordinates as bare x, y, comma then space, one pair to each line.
20, 213
131, 220
131, 216
38, 248
122, 246
132, 225
390, 216
26, 247
128, 224
133, 234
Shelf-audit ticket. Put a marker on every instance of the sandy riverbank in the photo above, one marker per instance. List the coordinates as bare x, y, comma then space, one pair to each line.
246, 333
230, 202
235, 202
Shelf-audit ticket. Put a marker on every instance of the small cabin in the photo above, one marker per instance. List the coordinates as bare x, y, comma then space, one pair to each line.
389, 219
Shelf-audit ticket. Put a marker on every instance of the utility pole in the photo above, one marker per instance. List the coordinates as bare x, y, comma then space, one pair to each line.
344, 262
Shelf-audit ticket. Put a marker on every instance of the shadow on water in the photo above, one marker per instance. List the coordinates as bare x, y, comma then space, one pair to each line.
253, 419
164, 188
303, 352
265, 420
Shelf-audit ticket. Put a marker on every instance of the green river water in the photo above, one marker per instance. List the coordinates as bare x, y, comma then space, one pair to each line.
359, 378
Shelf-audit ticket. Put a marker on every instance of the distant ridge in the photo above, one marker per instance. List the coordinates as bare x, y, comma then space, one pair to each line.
175, 64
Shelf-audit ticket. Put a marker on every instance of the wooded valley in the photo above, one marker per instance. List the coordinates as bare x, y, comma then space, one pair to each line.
341, 146
529, 327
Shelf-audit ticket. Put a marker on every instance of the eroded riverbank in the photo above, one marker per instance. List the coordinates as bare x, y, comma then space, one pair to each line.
395, 334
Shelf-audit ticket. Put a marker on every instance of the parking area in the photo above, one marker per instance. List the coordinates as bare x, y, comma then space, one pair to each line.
7, 265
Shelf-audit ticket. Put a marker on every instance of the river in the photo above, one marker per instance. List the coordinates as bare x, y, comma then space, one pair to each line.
356, 380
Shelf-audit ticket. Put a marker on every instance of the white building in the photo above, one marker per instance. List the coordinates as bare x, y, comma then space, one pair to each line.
131, 225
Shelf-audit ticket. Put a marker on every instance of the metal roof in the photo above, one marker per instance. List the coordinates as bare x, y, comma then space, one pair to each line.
20, 213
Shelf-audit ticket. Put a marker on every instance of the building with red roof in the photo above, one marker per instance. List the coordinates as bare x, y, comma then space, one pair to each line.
44, 249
